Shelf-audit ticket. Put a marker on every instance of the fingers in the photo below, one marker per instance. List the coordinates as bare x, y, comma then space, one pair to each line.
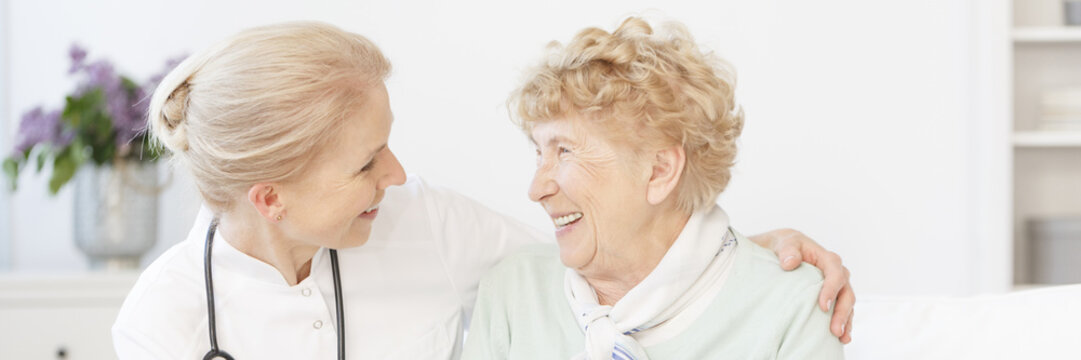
785, 243
789, 252
847, 337
836, 279
793, 247
841, 323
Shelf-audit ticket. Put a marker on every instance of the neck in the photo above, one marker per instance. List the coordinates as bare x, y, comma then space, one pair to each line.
614, 275
260, 239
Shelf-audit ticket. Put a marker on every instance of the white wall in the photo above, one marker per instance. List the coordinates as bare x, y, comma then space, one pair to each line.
858, 112
5, 141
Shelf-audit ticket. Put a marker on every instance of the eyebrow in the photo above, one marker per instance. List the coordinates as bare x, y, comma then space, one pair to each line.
372, 155
371, 158
554, 140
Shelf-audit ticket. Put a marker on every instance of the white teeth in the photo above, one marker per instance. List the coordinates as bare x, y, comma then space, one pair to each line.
567, 219
370, 209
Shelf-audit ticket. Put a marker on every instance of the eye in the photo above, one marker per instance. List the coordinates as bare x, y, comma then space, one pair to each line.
564, 150
368, 167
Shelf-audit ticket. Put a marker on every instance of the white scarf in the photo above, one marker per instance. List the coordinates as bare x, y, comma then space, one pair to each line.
695, 263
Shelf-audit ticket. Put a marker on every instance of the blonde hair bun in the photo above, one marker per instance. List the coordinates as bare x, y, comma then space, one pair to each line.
259, 106
170, 118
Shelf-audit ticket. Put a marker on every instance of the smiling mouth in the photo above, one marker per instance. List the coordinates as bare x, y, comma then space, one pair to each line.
375, 205
567, 219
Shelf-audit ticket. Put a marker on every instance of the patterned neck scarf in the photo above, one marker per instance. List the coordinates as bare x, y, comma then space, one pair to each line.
697, 259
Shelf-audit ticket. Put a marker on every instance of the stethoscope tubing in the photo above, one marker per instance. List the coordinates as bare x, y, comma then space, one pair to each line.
216, 352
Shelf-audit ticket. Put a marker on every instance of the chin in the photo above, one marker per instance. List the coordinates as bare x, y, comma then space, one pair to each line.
572, 255
356, 238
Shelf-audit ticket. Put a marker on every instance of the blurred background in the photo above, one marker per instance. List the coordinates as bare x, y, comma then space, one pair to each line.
933, 144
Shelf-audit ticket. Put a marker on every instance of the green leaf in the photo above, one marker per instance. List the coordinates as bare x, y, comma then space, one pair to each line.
77, 149
74, 107
103, 128
63, 170
104, 154
150, 151
129, 85
42, 156
11, 169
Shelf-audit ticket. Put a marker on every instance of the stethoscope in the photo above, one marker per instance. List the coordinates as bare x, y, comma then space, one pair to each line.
215, 352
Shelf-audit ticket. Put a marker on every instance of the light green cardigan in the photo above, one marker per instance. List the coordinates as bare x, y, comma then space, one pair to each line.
761, 312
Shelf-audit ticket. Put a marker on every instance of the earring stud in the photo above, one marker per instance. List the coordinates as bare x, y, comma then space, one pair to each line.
279, 218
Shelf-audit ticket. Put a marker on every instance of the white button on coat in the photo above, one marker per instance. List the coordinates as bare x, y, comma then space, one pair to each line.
406, 292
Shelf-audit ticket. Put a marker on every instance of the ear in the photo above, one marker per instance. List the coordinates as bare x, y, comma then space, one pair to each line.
667, 170
267, 201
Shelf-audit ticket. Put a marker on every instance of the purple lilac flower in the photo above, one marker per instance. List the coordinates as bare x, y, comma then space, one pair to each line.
78, 57
40, 127
126, 109
129, 126
100, 74
118, 104
134, 123
65, 137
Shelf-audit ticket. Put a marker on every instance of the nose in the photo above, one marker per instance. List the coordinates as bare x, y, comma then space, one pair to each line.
543, 185
396, 176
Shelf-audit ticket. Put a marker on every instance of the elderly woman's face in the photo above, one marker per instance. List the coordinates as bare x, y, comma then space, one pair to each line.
330, 206
593, 190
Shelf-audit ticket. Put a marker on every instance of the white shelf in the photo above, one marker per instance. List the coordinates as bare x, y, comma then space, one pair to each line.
1044, 139
1051, 34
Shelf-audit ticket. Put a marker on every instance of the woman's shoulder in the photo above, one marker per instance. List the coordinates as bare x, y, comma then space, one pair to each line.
160, 309
177, 270
532, 266
763, 265
531, 259
173, 273
757, 279
776, 311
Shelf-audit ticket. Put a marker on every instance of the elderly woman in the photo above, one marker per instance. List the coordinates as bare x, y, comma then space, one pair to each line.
635, 135
284, 129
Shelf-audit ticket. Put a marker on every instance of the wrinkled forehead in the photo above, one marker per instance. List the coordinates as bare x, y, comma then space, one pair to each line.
563, 129
594, 126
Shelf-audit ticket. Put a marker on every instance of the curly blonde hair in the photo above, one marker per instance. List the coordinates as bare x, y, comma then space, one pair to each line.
644, 89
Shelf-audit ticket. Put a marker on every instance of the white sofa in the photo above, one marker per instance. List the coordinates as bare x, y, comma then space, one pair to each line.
41, 314
1042, 323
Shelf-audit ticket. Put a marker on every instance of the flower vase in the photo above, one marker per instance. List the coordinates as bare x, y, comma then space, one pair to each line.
116, 213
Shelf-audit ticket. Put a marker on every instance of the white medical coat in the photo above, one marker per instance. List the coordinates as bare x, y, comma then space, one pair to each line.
408, 292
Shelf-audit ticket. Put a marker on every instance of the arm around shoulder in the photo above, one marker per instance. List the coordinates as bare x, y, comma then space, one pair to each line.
472, 238
808, 335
